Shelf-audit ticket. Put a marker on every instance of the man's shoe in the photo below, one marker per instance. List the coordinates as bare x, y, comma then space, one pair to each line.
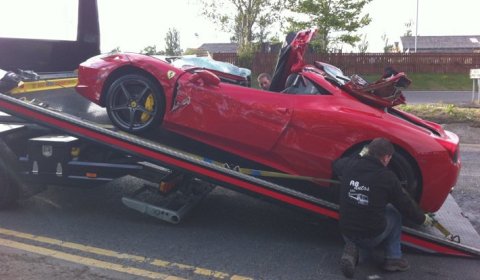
349, 259
393, 265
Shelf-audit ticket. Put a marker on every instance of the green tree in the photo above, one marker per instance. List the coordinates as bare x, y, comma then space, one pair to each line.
363, 45
387, 47
152, 50
190, 51
408, 26
336, 21
172, 42
250, 21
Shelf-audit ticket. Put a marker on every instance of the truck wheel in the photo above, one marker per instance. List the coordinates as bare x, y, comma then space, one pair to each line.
9, 191
9, 187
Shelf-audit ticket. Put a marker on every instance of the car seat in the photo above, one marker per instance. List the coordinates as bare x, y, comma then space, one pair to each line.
290, 83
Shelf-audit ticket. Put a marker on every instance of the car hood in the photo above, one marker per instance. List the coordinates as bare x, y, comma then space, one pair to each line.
386, 92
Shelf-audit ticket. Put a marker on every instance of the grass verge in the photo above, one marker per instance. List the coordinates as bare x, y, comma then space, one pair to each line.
434, 81
422, 81
445, 113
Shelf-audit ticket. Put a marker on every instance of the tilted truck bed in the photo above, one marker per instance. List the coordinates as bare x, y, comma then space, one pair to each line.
429, 240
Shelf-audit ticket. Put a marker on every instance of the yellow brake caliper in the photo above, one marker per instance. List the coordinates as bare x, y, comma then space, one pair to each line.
149, 104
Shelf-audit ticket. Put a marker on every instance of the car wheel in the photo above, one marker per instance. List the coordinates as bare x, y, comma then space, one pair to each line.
135, 103
406, 174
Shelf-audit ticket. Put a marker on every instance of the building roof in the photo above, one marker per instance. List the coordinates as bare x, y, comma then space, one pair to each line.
441, 42
220, 47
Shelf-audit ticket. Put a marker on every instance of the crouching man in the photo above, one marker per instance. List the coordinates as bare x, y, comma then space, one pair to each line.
372, 203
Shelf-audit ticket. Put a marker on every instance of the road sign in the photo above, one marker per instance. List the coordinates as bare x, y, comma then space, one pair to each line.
474, 73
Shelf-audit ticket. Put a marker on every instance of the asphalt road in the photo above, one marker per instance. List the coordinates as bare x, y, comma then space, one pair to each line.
455, 97
69, 233
229, 235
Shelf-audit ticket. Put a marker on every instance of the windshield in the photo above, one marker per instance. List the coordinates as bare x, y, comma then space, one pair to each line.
332, 72
209, 63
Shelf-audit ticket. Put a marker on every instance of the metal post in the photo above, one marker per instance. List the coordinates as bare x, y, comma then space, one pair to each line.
478, 90
473, 90
416, 29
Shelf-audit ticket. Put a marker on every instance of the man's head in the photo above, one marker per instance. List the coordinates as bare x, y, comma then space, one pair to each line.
381, 149
264, 80
389, 71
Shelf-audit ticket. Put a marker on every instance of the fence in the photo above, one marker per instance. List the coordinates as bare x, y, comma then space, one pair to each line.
374, 63
227, 57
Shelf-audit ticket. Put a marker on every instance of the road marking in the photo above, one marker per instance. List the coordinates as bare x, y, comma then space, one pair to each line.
123, 256
470, 145
86, 261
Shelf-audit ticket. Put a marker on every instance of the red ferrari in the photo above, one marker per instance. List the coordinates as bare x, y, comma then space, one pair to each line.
312, 115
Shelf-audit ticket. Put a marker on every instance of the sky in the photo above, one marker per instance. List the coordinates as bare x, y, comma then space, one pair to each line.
133, 25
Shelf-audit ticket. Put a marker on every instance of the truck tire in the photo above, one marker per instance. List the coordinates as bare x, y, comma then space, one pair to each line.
9, 191
9, 183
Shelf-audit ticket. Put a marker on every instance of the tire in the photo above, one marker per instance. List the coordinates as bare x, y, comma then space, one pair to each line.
9, 188
406, 174
135, 103
8, 191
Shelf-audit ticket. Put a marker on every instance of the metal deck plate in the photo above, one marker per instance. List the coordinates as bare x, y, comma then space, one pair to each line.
452, 218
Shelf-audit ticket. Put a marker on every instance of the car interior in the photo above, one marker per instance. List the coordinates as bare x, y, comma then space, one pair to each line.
298, 84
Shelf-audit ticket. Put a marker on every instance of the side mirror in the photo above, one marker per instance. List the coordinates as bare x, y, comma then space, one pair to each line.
207, 77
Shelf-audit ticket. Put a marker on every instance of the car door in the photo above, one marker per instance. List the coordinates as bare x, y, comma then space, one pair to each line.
226, 114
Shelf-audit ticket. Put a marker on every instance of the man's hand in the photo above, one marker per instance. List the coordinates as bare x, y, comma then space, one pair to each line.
364, 151
428, 221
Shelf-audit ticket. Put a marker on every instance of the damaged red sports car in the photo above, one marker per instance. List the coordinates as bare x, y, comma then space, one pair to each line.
312, 115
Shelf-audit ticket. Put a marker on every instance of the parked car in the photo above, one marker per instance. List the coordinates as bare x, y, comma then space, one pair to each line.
312, 115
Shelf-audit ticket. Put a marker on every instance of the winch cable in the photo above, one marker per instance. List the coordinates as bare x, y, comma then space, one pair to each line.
274, 174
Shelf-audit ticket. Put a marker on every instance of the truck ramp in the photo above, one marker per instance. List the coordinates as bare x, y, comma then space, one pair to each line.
459, 232
428, 240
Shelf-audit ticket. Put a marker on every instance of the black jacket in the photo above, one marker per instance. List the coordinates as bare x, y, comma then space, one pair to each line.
367, 186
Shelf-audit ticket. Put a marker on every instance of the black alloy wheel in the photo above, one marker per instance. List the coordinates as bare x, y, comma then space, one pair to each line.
135, 103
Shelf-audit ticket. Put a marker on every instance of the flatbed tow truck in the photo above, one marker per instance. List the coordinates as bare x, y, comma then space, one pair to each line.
41, 145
